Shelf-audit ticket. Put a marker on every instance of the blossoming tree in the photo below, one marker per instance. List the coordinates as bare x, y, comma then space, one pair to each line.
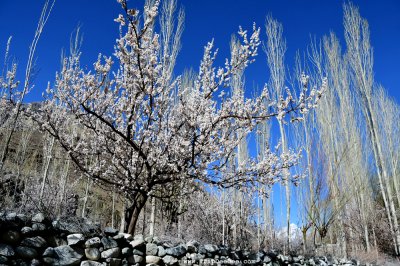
140, 130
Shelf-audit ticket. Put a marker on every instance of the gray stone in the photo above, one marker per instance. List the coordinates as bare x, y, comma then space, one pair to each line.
195, 257
138, 237
6, 250
49, 252
34, 242
169, 260
267, 259
109, 231
161, 251
151, 249
152, 259
137, 243
38, 227
38, 218
91, 263
137, 259
177, 251
26, 230
35, 262
93, 242
63, 255
113, 262
137, 252
111, 253
11, 237
92, 253
126, 252
27, 253
108, 243
192, 246
211, 248
75, 239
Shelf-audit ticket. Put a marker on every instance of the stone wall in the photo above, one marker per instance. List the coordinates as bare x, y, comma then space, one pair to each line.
37, 241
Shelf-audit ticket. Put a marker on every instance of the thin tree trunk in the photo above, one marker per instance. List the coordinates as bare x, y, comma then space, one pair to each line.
152, 216
46, 170
86, 198
133, 212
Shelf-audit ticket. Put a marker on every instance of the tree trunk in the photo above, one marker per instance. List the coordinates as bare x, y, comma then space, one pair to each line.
133, 212
152, 216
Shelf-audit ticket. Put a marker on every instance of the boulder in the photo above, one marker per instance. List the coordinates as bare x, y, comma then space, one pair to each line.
26, 253
91, 263
34, 242
152, 259
93, 242
26, 230
127, 252
108, 242
63, 255
75, 239
151, 249
169, 260
177, 251
137, 243
161, 251
38, 227
92, 253
137, 259
111, 253
6, 250
211, 248
38, 218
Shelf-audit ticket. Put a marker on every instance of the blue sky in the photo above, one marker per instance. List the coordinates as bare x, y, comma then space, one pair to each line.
205, 20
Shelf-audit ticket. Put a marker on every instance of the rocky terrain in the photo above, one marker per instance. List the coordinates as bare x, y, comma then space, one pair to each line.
35, 240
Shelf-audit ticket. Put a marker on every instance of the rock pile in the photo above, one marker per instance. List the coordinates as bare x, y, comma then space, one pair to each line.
37, 241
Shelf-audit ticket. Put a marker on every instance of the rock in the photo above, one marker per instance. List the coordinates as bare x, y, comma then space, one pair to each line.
75, 239
151, 249
161, 251
211, 248
26, 230
113, 262
192, 246
127, 252
267, 259
111, 253
177, 251
63, 255
224, 251
152, 259
49, 252
109, 231
108, 243
26, 253
137, 259
137, 252
38, 227
148, 239
34, 242
35, 262
91, 263
138, 237
195, 257
137, 243
93, 242
169, 260
6, 250
38, 218
56, 241
92, 253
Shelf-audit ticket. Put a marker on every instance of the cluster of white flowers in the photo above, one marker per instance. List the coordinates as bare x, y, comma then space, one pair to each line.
138, 129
